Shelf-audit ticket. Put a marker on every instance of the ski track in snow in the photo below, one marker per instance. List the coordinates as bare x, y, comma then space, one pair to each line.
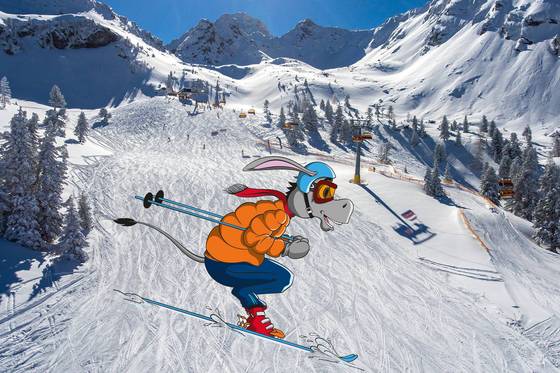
358, 286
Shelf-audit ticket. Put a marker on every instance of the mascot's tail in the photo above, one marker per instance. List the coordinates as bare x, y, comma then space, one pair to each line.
128, 222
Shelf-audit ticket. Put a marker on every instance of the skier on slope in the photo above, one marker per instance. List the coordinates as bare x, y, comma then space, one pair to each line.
237, 259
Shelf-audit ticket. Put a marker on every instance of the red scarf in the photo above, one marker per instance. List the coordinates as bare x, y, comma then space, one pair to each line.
254, 192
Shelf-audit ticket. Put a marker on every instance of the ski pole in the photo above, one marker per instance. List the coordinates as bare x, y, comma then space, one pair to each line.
284, 236
191, 207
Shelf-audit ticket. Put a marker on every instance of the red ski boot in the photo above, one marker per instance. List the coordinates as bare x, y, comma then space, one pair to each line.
259, 323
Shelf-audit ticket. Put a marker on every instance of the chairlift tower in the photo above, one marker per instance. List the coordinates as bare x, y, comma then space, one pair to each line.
359, 139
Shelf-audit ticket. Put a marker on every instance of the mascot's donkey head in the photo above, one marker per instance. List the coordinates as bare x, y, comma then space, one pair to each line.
311, 196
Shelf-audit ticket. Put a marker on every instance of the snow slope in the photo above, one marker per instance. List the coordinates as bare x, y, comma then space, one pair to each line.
364, 286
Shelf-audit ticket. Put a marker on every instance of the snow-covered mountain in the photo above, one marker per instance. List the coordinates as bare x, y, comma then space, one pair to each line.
242, 40
83, 45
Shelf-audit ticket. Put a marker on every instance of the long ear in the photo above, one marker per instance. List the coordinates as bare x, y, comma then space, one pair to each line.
276, 163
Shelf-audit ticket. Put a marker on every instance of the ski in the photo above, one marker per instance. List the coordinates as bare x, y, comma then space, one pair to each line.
140, 299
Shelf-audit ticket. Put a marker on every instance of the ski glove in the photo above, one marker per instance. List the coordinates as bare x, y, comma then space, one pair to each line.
297, 249
263, 234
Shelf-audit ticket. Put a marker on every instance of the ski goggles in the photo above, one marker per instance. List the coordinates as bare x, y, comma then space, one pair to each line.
324, 191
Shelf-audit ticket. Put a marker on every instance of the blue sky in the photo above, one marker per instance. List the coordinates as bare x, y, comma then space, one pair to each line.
169, 19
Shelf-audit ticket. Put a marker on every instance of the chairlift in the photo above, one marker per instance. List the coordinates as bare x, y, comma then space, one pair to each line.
289, 125
357, 138
242, 115
505, 187
251, 111
366, 136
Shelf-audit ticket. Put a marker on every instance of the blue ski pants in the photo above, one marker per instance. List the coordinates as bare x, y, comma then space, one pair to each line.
247, 281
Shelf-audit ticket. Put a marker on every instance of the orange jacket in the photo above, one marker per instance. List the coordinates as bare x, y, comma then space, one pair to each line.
265, 221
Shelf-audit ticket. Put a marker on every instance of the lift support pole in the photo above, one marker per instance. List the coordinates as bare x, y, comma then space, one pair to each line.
357, 179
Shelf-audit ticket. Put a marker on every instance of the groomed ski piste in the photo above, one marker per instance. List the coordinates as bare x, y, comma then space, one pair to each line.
443, 305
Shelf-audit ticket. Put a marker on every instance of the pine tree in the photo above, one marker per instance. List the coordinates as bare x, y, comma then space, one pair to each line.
56, 99
217, 94
84, 211
266, 110
33, 126
329, 112
491, 128
422, 130
414, 140
170, 82
453, 126
337, 124
72, 241
322, 105
505, 166
384, 151
458, 139
309, 118
52, 176
489, 185
526, 185
105, 116
556, 146
346, 132
497, 145
55, 122
465, 125
447, 173
444, 129
281, 117
5, 92
547, 210
528, 134
428, 181
515, 169
478, 154
437, 189
439, 154
369, 117
390, 114
415, 123
484, 124
18, 179
82, 128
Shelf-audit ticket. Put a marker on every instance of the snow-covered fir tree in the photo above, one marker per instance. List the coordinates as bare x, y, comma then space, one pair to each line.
414, 139
505, 166
439, 154
337, 124
546, 216
384, 151
369, 117
345, 132
556, 146
428, 181
84, 211
515, 169
444, 129
55, 122
513, 148
526, 184
82, 128
266, 111
422, 129
56, 98
528, 134
170, 83
458, 139
415, 123
104, 115
72, 241
217, 90
447, 173
5, 92
281, 118
484, 124
391, 114
496, 145
33, 126
322, 105
432, 183
491, 128
489, 184
465, 125
453, 126
309, 118
52, 176
18, 177
329, 112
